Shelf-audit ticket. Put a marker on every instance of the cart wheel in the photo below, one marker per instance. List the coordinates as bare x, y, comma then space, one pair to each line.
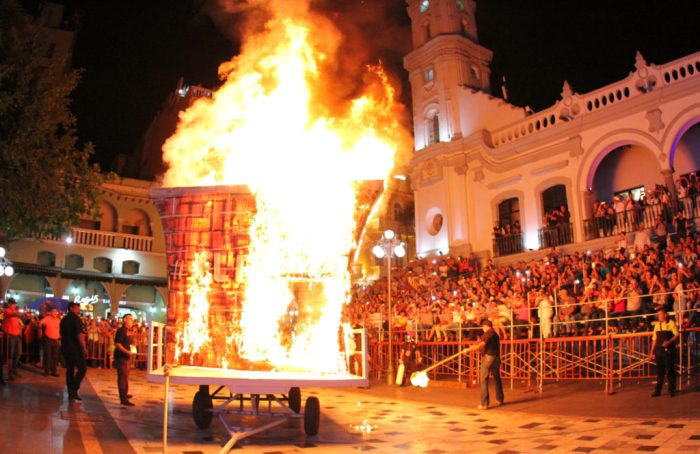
201, 409
312, 416
294, 399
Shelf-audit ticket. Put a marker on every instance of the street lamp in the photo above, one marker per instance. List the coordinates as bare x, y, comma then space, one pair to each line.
6, 268
389, 246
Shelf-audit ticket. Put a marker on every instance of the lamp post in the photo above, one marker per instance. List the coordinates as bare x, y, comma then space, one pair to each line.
6, 268
388, 246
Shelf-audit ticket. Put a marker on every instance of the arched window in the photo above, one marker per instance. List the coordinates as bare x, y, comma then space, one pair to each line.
509, 212
554, 197
433, 129
136, 222
130, 267
73, 262
102, 264
46, 258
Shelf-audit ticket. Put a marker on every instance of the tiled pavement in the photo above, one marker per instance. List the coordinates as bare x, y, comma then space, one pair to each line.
408, 420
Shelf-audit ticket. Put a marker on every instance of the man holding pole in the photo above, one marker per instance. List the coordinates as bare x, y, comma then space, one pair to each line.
490, 363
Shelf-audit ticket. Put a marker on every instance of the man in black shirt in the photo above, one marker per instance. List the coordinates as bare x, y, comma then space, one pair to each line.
74, 349
122, 354
490, 363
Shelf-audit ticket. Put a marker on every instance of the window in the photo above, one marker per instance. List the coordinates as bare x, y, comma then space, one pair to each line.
130, 229
424, 5
46, 258
429, 74
474, 72
460, 5
434, 129
73, 262
89, 224
102, 264
637, 193
509, 211
130, 267
553, 198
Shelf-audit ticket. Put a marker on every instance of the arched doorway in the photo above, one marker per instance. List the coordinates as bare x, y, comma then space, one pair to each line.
685, 161
556, 219
507, 233
25, 288
628, 189
92, 296
144, 302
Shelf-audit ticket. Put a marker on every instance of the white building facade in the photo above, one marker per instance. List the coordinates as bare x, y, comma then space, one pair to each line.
479, 159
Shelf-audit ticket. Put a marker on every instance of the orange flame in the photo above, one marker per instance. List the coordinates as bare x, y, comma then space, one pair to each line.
269, 127
195, 333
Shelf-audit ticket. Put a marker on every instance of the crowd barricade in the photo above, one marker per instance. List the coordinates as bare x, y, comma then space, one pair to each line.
607, 358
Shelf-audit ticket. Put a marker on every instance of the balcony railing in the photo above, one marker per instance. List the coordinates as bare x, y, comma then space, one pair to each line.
556, 236
627, 221
99, 238
508, 245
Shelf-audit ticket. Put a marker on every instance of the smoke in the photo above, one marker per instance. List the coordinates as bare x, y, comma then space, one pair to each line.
353, 33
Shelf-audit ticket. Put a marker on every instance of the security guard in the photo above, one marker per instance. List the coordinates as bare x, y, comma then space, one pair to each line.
663, 347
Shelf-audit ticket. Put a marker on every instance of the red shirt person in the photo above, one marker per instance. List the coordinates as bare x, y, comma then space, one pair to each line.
12, 325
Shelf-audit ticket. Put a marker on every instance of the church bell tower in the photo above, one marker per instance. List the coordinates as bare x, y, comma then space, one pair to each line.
445, 61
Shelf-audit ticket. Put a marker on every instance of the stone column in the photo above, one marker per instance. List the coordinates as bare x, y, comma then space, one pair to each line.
668, 181
587, 208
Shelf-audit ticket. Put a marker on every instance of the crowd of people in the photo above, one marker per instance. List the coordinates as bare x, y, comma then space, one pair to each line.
33, 340
655, 207
557, 295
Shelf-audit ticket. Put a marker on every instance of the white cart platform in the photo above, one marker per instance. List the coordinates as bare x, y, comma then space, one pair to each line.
248, 387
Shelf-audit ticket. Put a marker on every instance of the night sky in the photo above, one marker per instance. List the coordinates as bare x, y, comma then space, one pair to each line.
132, 52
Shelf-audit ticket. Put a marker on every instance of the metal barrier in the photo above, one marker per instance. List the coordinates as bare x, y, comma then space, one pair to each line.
611, 358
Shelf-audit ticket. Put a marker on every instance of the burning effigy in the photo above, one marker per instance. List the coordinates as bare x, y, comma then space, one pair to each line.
269, 186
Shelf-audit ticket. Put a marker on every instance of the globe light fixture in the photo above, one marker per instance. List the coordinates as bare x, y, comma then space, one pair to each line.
6, 268
386, 248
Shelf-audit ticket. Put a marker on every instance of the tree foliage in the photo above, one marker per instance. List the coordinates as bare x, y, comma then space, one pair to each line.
46, 181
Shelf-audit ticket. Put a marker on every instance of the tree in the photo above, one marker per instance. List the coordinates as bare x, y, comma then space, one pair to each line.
46, 181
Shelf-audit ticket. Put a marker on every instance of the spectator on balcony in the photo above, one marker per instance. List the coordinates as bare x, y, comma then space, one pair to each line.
618, 205
630, 210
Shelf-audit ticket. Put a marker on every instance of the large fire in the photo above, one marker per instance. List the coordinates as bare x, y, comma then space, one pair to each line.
304, 156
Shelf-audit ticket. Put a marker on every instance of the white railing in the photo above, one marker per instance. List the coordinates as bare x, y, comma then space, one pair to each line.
644, 79
99, 238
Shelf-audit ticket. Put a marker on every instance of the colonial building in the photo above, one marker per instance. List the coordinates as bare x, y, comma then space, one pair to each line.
113, 263
480, 161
